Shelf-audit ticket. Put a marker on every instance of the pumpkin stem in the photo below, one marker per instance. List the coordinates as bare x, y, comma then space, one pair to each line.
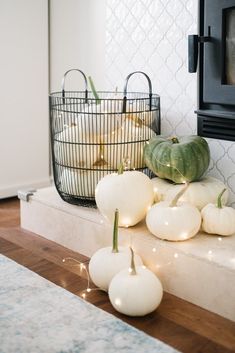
135, 119
178, 196
100, 162
121, 169
174, 139
115, 231
219, 199
123, 166
98, 100
132, 268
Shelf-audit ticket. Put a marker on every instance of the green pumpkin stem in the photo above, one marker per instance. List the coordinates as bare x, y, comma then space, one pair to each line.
115, 232
121, 168
132, 268
219, 199
178, 196
174, 139
98, 100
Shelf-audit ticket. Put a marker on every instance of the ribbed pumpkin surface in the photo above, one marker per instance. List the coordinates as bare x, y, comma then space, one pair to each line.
178, 159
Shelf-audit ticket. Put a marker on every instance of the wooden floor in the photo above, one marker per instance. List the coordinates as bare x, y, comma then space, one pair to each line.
180, 324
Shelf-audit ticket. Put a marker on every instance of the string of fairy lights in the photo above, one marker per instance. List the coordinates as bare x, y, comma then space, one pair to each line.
82, 267
161, 243
156, 249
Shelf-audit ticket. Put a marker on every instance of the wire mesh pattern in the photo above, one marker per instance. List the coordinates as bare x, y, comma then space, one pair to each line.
90, 139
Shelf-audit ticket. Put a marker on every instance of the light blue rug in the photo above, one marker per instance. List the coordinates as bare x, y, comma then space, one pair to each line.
37, 316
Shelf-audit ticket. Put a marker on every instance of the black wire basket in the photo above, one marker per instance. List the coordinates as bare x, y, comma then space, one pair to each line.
91, 136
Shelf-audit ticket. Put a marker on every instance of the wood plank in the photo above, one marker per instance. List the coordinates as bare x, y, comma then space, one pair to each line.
157, 324
9, 212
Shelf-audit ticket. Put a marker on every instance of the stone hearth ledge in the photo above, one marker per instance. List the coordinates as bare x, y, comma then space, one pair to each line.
200, 270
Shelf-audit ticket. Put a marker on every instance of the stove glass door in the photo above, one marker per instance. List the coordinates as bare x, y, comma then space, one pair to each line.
230, 46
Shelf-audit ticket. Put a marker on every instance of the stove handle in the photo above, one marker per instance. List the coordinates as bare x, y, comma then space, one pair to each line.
193, 42
192, 52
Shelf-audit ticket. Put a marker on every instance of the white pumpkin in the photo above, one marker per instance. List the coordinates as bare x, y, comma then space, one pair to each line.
79, 182
218, 219
199, 193
107, 262
135, 291
70, 153
99, 119
133, 107
122, 144
130, 192
172, 221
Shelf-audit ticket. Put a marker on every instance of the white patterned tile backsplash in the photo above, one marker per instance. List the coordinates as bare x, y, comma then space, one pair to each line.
151, 35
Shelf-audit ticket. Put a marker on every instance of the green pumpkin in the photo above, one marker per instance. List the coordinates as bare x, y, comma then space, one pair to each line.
179, 159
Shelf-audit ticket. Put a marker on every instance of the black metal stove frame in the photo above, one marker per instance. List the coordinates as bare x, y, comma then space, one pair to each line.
216, 99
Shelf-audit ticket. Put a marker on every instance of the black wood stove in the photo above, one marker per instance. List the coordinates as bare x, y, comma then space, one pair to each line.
214, 48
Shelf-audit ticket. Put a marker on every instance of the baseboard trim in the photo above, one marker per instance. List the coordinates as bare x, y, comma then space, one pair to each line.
12, 190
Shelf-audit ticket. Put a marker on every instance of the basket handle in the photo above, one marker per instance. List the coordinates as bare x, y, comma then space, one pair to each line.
63, 84
125, 89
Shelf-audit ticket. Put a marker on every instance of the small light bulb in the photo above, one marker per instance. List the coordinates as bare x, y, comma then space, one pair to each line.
83, 295
168, 165
82, 266
130, 270
143, 266
88, 290
63, 260
154, 249
219, 238
117, 302
176, 255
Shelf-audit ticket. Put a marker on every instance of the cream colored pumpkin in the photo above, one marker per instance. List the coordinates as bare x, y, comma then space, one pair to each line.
72, 149
218, 219
122, 144
135, 291
80, 183
133, 107
172, 221
130, 192
99, 119
199, 193
107, 262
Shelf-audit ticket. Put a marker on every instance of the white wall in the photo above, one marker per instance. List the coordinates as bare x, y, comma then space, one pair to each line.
24, 146
28, 71
151, 35
77, 37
